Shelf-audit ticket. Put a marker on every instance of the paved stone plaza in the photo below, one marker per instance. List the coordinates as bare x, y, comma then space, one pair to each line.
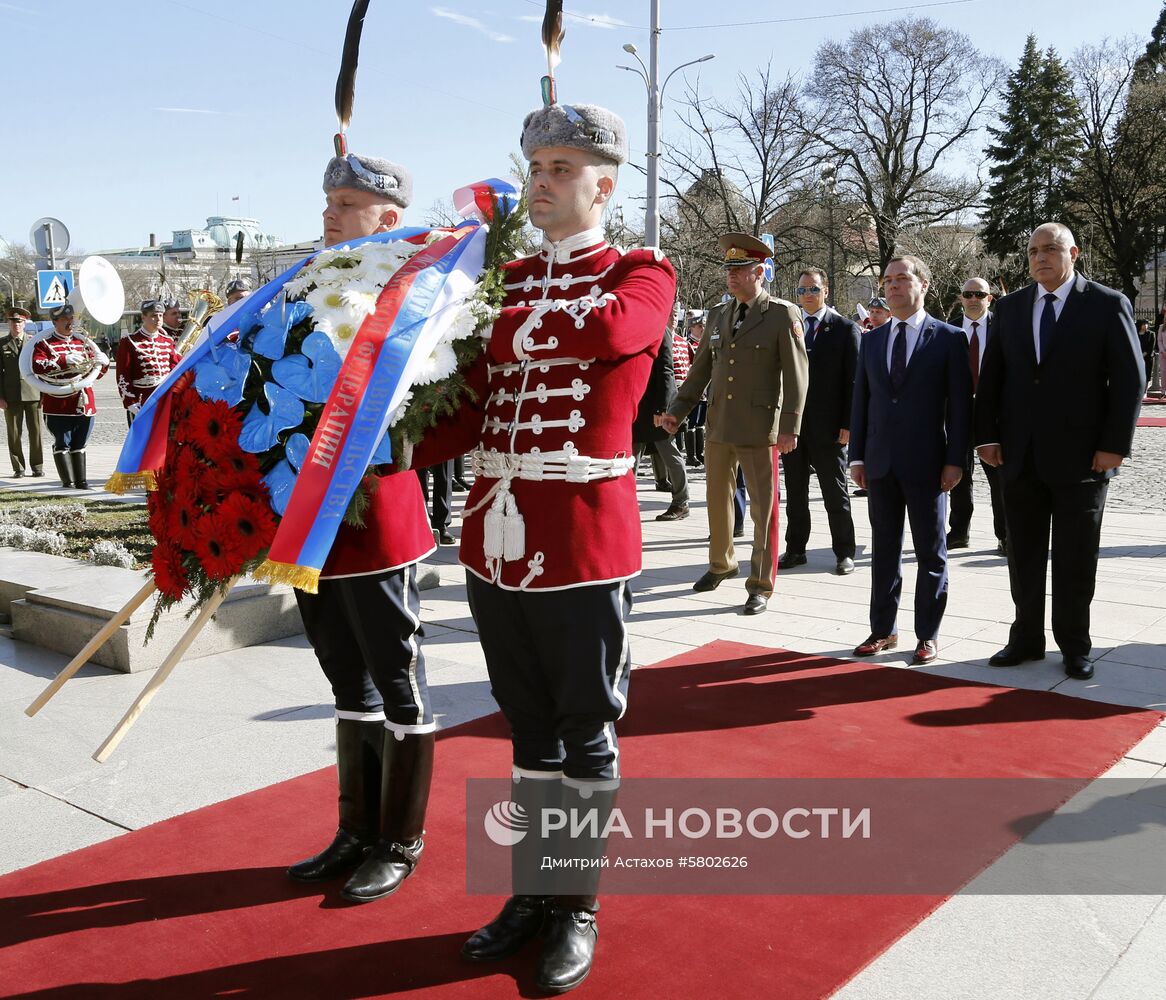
230, 723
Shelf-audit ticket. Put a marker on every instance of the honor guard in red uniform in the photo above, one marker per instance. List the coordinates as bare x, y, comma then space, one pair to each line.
144, 359
364, 622
172, 319
65, 354
551, 529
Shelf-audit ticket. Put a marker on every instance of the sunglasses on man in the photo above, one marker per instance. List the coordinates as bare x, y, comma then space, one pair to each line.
974, 295
812, 290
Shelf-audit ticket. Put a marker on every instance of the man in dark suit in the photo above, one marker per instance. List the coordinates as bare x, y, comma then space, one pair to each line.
909, 427
647, 436
976, 321
1057, 407
832, 344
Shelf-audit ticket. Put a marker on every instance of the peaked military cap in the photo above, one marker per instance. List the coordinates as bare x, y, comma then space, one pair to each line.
741, 250
16, 312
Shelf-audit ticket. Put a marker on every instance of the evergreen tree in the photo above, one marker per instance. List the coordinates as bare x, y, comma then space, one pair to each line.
1036, 147
1153, 60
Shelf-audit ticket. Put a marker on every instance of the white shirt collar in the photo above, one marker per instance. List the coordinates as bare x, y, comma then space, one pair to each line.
818, 316
567, 249
914, 323
1062, 292
983, 321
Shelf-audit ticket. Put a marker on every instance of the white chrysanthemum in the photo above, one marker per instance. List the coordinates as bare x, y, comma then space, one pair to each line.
441, 364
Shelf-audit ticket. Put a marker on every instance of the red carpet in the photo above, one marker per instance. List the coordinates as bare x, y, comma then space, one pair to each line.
1152, 421
198, 906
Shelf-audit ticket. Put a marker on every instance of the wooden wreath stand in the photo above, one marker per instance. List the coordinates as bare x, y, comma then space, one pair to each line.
155, 682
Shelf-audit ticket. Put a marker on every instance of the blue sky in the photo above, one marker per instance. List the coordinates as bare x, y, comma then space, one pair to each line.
127, 117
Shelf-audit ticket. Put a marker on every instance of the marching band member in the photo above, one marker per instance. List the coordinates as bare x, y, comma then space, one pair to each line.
69, 418
144, 359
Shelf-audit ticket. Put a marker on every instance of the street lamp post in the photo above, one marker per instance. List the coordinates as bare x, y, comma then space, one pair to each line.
650, 74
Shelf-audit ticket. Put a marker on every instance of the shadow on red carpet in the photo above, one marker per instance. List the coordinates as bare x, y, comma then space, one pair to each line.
199, 905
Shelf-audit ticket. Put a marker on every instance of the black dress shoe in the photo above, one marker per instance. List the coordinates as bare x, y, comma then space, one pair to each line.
957, 541
38, 473
844, 566
445, 538
739, 532
711, 580
789, 560
461, 484
1078, 667
858, 493
520, 920
677, 512
568, 951
18, 475
756, 604
1013, 656
663, 488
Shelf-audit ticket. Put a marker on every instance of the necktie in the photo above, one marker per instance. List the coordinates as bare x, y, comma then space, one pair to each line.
811, 325
1048, 320
741, 310
974, 355
899, 358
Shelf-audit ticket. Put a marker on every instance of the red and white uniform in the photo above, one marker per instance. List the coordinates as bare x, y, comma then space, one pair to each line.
57, 354
143, 362
554, 502
681, 357
396, 531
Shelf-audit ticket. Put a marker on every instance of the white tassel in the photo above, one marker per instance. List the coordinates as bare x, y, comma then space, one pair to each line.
514, 532
492, 528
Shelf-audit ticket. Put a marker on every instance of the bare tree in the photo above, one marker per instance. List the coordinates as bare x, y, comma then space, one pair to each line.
893, 103
1117, 195
735, 165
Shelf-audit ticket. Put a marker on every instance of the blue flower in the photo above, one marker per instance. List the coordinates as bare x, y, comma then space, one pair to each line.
261, 430
384, 452
224, 377
276, 324
312, 373
281, 480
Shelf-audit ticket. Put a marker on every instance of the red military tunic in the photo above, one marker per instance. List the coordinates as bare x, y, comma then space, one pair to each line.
55, 354
396, 531
554, 502
143, 362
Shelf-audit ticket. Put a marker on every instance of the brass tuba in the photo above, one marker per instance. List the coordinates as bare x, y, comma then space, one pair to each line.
98, 291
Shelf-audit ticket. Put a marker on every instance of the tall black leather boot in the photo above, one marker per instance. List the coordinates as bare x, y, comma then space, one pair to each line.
406, 776
524, 913
77, 461
61, 461
571, 931
700, 445
358, 766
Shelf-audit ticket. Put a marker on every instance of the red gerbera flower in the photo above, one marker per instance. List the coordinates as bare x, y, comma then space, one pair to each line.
158, 514
237, 474
215, 428
216, 547
169, 572
185, 515
251, 521
188, 470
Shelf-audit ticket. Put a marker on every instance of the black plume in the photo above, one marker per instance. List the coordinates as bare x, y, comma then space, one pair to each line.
553, 33
346, 80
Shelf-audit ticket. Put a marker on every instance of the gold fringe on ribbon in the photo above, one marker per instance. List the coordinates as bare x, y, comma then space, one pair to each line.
123, 482
301, 577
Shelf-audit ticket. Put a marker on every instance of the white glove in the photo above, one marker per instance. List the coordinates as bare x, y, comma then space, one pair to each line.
133, 408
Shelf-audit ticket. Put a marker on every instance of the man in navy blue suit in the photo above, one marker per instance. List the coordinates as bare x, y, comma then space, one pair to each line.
910, 423
1056, 410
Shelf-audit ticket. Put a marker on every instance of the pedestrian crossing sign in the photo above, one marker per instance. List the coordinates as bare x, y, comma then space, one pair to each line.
54, 288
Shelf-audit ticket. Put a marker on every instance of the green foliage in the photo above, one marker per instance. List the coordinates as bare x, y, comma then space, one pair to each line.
1037, 145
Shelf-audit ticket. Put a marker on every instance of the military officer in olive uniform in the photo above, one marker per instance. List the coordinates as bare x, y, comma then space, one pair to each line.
21, 402
753, 359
